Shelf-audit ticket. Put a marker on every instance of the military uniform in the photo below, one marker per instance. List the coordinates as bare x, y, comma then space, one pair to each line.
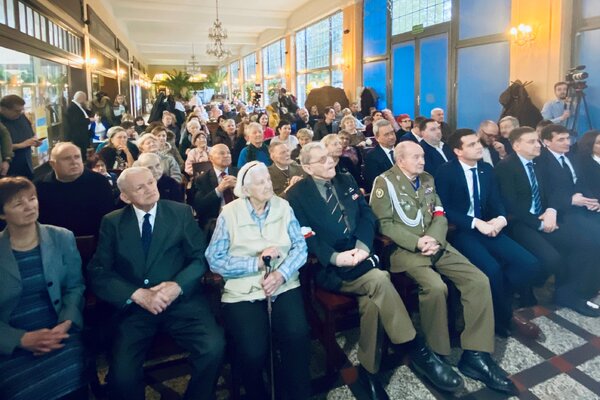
281, 179
419, 212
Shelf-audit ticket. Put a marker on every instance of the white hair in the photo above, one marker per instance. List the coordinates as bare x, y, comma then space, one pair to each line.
244, 177
122, 179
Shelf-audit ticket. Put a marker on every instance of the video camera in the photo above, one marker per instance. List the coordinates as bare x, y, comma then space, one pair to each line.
576, 79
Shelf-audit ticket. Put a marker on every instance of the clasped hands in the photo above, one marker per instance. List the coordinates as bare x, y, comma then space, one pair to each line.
428, 245
274, 280
490, 228
351, 258
580, 201
228, 182
157, 298
44, 341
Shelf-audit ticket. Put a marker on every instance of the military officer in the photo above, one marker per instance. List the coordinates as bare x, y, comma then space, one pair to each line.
410, 212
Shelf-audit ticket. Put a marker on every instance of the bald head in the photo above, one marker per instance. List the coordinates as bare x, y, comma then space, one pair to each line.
66, 161
488, 132
220, 156
410, 158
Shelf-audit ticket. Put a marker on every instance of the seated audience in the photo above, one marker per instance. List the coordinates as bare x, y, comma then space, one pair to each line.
99, 127
506, 125
263, 120
97, 165
227, 134
117, 153
284, 135
148, 265
405, 124
354, 156
302, 119
191, 128
436, 151
140, 125
213, 189
327, 125
168, 187
554, 237
375, 116
256, 150
437, 114
71, 196
343, 244
588, 164
357, 138
250, 282
489, 136
284, 171
381, 158
149, 144
414, 135
333, 144
304, 136
166, 146
313, 117
41, 292
348, 112
129, 127
199, 153
410, 213
469, 192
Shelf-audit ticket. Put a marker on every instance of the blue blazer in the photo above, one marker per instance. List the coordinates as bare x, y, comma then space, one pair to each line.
452, 188
62, 271
433, 159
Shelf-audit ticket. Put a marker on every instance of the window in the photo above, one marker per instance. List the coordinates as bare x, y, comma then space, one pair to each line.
408, 13
249, 64
234, 71
224, 89
273, 57
318, 50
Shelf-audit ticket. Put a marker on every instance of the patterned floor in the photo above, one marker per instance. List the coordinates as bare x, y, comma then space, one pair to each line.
564, 364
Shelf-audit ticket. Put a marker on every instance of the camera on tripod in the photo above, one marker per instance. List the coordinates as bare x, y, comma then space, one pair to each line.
576, 78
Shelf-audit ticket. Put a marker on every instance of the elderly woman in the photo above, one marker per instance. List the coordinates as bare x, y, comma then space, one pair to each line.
148, 143
255, 226
284, 135
342, 164
304, 136
588, 164
188, 131
256, 150
348, 124
117, 154
198, 154
41, 302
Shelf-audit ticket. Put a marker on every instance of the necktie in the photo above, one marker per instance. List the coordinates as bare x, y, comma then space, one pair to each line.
392, 156
227, 193
476, 201
334, 206
146, 234
566, 167
535, 190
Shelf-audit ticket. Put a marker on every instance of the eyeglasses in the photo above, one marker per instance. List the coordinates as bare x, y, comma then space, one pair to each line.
405, 120
489, 133
321, 160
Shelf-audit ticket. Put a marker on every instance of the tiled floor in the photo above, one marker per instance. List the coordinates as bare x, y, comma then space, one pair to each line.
564, 365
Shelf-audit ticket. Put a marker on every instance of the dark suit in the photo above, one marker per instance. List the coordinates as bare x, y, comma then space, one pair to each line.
281, 180
433, 158
494, 155
379, 303
206, 202
588, 174
376, 163
119, 267
400, 133
500, 258
565, 252
76, 128
408, 136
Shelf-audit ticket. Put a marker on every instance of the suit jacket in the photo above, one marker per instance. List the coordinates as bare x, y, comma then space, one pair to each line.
515, 190
558, 183
206, 202
588, 176
176, 253
433, 158
452, 188
76, 127
280, 180
62, 272
311, 211
376, 163
408, 136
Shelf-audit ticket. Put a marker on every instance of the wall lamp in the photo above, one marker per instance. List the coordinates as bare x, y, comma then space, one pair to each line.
522, 34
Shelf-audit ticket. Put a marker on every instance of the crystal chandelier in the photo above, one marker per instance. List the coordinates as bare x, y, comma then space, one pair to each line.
193, 66
217, 34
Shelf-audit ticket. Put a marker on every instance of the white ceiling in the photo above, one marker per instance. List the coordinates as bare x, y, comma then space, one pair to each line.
164, 30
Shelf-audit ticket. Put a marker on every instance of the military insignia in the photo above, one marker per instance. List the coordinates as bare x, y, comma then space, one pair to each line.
355, 196
351, 190
379, 193
428, 190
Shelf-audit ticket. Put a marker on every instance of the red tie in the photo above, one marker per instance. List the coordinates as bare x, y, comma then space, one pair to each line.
228, 196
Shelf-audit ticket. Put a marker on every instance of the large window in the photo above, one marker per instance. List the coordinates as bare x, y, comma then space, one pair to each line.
273, 57
408, 13
234, 75
224, 87
249, 63
318, 51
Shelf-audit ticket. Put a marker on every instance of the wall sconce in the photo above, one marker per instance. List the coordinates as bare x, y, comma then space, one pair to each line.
522, 35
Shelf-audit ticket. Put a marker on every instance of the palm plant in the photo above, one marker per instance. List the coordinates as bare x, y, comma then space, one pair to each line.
178, 82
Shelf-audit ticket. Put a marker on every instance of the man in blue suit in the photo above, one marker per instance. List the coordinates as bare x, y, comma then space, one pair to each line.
381, 158
436, 151
470, 194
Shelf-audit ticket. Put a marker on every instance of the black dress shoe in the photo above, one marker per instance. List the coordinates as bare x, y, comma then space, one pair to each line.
583, 307
440, 374
480, 366
372, 385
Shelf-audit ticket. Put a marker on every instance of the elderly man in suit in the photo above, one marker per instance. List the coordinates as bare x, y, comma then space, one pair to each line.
436, 151
148, 264
214, 188
541, 222
381, 158
409, 211
493, 149
333, 207
468, 189
284, 172
77, 123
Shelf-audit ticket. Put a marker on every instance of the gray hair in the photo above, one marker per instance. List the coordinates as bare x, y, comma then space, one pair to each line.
112, 130
513, 120
380, 124
79, 93
307, 149
122, 179
329, 138
245, 177
146, 157
144, 138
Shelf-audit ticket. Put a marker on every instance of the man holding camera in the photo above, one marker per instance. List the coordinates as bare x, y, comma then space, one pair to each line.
558, 110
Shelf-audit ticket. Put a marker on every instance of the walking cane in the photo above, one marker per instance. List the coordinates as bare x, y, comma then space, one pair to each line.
268, 269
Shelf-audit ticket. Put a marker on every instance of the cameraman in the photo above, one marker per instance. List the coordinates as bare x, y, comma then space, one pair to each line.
559, 110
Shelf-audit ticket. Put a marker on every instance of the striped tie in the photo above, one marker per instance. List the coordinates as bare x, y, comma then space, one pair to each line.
334, 206
535, 190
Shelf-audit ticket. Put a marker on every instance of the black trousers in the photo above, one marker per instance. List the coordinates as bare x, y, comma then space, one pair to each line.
190, 323
247, 325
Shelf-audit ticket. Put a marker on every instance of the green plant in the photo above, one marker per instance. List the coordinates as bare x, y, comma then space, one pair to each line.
178, 82
215, 79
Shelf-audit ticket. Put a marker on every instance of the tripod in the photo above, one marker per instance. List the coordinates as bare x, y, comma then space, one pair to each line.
579, 97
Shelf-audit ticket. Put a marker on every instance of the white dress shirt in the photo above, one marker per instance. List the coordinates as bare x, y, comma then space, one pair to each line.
140, 217
567, 161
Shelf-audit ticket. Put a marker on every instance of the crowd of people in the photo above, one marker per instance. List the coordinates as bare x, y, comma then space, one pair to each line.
248, 195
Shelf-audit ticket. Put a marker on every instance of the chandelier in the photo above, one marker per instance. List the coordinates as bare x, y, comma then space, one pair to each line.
193, 66
217, 34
